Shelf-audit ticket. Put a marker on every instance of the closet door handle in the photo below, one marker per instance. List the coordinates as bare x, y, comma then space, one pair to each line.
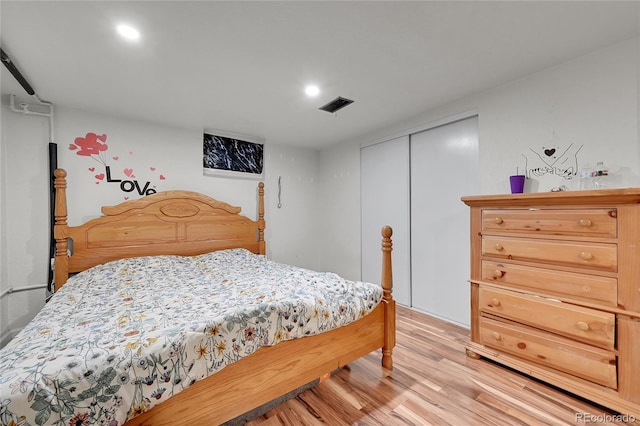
585, 222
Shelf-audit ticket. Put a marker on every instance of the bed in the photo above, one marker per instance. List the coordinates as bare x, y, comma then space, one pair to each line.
183, 236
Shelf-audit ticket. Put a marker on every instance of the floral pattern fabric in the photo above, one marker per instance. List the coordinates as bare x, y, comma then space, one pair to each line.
121, 337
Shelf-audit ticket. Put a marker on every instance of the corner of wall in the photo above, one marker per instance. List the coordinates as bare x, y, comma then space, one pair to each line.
3, 233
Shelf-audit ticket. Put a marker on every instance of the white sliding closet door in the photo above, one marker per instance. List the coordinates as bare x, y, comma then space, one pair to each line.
384, 180
444, 167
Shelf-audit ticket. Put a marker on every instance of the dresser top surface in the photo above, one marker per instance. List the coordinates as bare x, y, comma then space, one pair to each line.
593, 197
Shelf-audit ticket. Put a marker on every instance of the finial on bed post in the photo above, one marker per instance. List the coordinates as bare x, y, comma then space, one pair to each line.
387, 299
261, 223
60, 229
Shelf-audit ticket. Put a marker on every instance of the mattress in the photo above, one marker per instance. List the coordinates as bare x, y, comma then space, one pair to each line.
121, 337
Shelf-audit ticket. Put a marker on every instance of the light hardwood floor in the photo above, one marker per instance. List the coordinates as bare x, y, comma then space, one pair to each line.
433, 383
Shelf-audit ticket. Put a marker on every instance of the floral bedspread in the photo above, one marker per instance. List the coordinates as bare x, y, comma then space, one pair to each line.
122, 337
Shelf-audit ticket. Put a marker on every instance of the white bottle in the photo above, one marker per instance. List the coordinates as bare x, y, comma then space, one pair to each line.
586, 175
600, 176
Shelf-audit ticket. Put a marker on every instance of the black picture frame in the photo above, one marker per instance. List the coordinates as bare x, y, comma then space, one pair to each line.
229, 155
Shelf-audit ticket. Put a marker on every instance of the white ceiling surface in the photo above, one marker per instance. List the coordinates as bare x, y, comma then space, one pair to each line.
241, 66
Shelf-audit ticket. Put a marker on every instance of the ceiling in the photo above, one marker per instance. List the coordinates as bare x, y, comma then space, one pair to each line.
241, 66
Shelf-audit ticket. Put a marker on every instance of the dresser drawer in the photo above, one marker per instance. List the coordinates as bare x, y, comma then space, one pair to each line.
590, 363
573, 222
580, 323
593, 255
590, 288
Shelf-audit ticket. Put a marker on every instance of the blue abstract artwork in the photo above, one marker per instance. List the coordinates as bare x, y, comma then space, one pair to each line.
226, 154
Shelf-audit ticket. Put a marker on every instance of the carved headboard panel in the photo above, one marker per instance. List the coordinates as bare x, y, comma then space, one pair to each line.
171, 222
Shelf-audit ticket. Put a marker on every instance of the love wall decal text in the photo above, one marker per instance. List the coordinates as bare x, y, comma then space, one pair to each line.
95, 147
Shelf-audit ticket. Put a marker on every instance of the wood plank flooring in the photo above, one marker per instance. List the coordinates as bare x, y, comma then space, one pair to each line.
433, 382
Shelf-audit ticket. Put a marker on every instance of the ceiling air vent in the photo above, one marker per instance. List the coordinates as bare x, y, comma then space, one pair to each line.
336, 104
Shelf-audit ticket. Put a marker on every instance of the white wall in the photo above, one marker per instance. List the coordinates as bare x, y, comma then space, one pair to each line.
591, 101
25, 220
337, 233
4, 317
174, 153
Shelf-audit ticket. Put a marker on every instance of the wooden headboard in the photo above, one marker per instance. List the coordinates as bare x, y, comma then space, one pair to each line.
172, 222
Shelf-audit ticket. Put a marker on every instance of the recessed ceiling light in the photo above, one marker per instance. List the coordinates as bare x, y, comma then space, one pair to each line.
128, 32
312, 90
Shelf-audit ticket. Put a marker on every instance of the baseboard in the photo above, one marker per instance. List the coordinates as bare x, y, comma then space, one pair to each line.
431, 314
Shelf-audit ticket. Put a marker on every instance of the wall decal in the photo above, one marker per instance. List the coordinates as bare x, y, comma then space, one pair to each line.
91, 145
95, 147
228, 155
552, 160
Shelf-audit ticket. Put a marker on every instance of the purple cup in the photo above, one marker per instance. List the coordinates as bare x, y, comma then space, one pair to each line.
517, 184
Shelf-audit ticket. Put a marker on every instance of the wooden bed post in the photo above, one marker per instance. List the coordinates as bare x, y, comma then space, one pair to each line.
387, 299
261, 223
60, 229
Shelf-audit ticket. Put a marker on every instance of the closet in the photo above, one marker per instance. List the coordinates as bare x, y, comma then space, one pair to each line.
414, 183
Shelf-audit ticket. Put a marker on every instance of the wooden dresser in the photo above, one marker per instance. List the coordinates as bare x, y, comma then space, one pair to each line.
555, 290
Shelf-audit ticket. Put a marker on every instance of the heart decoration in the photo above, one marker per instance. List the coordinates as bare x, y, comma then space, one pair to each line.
153, 169
128, 172
162, 177
116, 158
89, 145
549, 152
126, 198
92, 169
100, 176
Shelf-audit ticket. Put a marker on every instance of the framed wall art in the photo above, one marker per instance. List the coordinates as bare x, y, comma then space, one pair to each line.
228, 155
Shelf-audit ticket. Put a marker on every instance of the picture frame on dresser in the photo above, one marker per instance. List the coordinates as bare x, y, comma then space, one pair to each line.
555, 290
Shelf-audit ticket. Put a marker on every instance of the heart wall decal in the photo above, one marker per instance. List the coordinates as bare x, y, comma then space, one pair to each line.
549, 152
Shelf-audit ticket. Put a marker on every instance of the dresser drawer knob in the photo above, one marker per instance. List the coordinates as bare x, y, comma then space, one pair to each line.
498, 274
497, 335
582, 325
498, 247
584, 222
495, 303
586, 255
498, 221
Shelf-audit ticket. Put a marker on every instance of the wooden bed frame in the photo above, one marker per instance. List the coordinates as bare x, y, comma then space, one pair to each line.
189, 223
